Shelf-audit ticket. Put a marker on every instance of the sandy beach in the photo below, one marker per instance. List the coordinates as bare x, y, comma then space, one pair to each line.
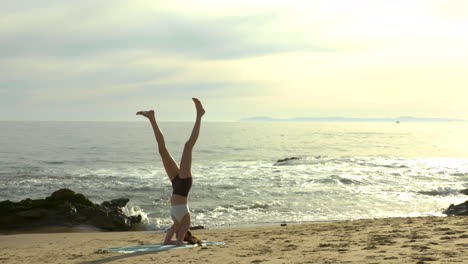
390, 240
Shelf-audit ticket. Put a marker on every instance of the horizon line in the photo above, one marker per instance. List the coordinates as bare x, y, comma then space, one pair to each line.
351, 119
274, 119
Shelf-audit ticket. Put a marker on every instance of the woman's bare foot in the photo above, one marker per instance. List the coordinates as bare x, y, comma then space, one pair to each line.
148, 114
199, 107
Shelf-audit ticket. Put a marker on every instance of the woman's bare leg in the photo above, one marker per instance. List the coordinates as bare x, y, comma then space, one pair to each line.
183, 228
170, 233
186, 161
179, 229
171, 167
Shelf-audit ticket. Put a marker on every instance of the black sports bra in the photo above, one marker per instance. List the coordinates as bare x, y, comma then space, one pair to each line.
181, 186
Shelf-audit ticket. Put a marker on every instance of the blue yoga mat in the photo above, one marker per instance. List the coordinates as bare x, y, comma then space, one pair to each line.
154, 247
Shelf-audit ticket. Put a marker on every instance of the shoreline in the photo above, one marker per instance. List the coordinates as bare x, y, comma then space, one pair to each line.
427, 239
92, 229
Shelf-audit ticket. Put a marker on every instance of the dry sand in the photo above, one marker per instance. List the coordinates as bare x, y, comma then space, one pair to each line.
392, 240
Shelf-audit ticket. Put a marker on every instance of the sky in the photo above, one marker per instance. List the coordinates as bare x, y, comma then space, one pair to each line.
103, 60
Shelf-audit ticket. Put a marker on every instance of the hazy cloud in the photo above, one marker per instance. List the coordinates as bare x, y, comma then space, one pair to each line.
209, 38
243, 55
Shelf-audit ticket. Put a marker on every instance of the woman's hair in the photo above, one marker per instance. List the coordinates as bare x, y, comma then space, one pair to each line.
192, 239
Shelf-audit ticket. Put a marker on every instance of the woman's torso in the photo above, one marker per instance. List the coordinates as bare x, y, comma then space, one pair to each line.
178, 199
181, 188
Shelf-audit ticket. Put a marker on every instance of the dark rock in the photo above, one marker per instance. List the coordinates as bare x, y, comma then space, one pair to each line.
283, 161
32, 213
135, 219
111, 222
63, 195
465, 192
65, 208
116, 202
6, 207
459, 209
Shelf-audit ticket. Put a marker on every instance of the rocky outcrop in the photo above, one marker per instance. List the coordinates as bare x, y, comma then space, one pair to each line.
459, 209
65, 208
284, 161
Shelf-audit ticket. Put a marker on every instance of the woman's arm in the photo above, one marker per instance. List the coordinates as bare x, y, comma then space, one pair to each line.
169, 234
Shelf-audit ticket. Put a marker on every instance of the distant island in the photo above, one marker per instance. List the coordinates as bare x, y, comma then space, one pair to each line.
349, 119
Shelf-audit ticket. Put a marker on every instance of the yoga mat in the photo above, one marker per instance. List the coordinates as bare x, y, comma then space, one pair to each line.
153, 247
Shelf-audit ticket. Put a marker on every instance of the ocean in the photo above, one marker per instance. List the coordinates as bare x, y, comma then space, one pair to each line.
329, 172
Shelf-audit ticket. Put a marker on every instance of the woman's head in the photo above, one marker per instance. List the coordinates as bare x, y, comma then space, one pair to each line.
192, 239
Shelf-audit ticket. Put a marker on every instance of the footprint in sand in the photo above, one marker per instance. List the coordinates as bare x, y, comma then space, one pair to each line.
423, 259
289, 247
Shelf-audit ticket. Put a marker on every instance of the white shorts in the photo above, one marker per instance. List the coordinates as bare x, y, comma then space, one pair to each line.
178, 211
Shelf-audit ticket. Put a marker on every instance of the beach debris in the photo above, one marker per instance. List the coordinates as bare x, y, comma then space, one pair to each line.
65, 208
459, 209
283, 224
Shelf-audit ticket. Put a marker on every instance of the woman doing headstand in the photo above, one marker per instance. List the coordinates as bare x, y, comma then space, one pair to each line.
180, 177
